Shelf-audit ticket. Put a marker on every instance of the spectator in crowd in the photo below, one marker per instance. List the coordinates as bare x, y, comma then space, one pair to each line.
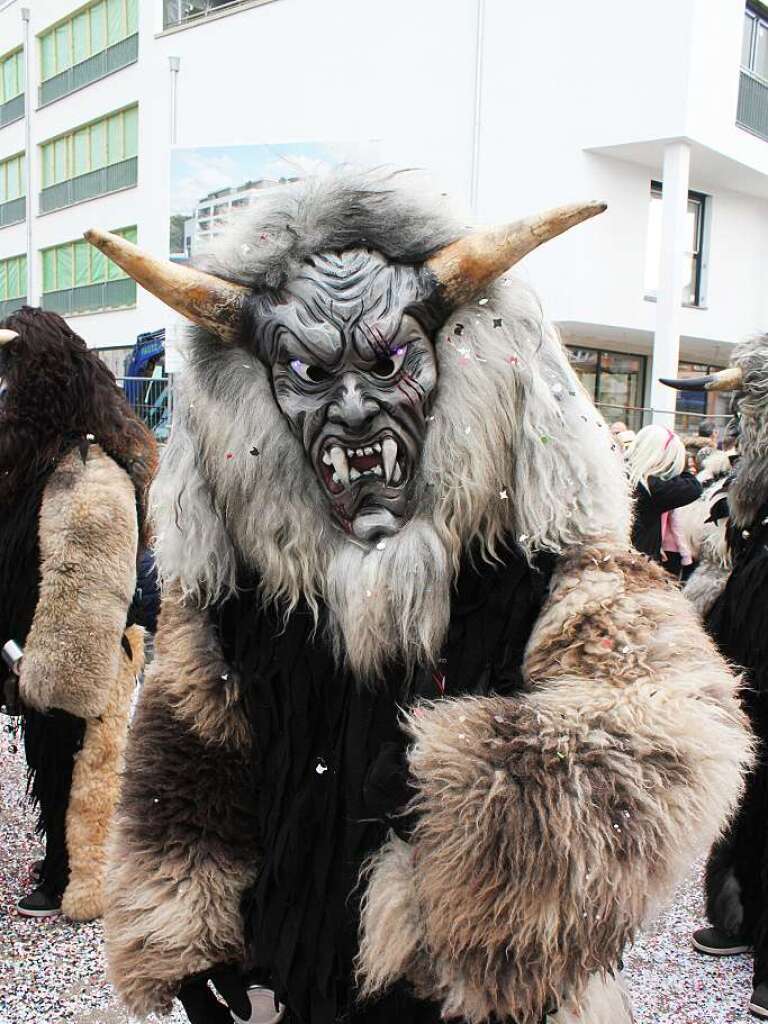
656, 465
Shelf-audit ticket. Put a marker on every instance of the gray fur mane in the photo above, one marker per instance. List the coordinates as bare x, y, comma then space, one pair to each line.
749, 490
515, 448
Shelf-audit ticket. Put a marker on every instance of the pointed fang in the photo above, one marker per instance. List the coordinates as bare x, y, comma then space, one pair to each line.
389, 457
339, 460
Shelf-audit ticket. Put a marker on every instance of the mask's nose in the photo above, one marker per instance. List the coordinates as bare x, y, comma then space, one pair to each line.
351, 408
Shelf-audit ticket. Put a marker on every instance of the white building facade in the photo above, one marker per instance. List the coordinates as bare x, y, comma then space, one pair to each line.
661, 111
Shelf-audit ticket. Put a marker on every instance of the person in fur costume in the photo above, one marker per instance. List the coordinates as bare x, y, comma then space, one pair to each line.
737, 619
424, 738
75, 465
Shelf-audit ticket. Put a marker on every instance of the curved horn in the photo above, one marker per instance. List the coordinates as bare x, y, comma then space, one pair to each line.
207, 301
6, 336
468, 265
730, 379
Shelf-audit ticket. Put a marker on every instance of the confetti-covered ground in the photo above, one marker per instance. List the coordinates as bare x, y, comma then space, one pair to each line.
52, 971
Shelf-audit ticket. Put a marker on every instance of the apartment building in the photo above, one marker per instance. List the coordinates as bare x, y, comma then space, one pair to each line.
662, 111
215, 209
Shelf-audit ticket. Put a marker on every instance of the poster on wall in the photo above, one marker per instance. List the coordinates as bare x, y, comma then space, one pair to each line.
212, 185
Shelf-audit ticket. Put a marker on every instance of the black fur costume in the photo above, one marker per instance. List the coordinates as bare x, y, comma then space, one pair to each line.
737, 870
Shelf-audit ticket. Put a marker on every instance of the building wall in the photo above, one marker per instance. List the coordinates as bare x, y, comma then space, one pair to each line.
576, 102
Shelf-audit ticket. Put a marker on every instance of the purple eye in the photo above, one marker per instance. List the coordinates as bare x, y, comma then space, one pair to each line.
387, 368
308, 372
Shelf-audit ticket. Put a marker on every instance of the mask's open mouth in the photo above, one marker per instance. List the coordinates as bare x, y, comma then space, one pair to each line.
378, 460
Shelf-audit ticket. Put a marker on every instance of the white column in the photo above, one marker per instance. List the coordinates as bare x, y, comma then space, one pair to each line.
672, 276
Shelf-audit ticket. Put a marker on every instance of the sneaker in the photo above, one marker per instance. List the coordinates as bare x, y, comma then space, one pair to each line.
39, 903
758, 1004
716, 942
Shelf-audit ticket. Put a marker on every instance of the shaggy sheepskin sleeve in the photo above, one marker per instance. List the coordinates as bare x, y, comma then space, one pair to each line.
551, 824
88, 538
184, 845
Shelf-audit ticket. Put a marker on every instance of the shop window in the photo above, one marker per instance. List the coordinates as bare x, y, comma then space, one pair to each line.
615, 381
693, 407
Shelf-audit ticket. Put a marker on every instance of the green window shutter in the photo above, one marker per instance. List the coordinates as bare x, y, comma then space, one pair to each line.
115, 30
23, 176
3, 183
132, 16
98, 145
12, 179
98, 15
114, 273
80, 37
98, 267
47, 160
114, 138
13, 279
3, 280
64, 266
82, 264
131, 121
60, 162
49, 270
23, 275
9, 78
81, 152
48, 55
64, 47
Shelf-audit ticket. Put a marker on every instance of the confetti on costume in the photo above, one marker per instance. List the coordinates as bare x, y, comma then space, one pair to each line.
449, 921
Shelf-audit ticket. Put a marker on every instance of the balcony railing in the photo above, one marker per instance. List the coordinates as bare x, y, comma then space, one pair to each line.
91, 297
98, 66
179, 12
13, 212
88, 186
8, 306
752, 111
12, 110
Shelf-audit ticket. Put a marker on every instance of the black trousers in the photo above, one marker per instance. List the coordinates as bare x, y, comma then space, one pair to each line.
742, 856
51, 742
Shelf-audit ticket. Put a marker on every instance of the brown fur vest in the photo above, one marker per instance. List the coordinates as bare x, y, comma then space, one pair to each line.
73, 655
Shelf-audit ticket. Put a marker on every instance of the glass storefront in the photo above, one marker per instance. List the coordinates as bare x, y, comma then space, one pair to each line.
614, 380
693, 407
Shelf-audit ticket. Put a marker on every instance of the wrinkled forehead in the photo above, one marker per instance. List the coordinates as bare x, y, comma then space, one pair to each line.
354, 300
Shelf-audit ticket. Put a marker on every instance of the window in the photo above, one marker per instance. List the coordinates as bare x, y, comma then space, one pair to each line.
12, 178
87, 33
754, 48
694, 406
692, 289
615, 381
101, 144
78, 264
11, 76
177, 12
13, 278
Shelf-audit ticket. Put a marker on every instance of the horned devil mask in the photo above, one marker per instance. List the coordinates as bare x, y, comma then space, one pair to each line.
349, 345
